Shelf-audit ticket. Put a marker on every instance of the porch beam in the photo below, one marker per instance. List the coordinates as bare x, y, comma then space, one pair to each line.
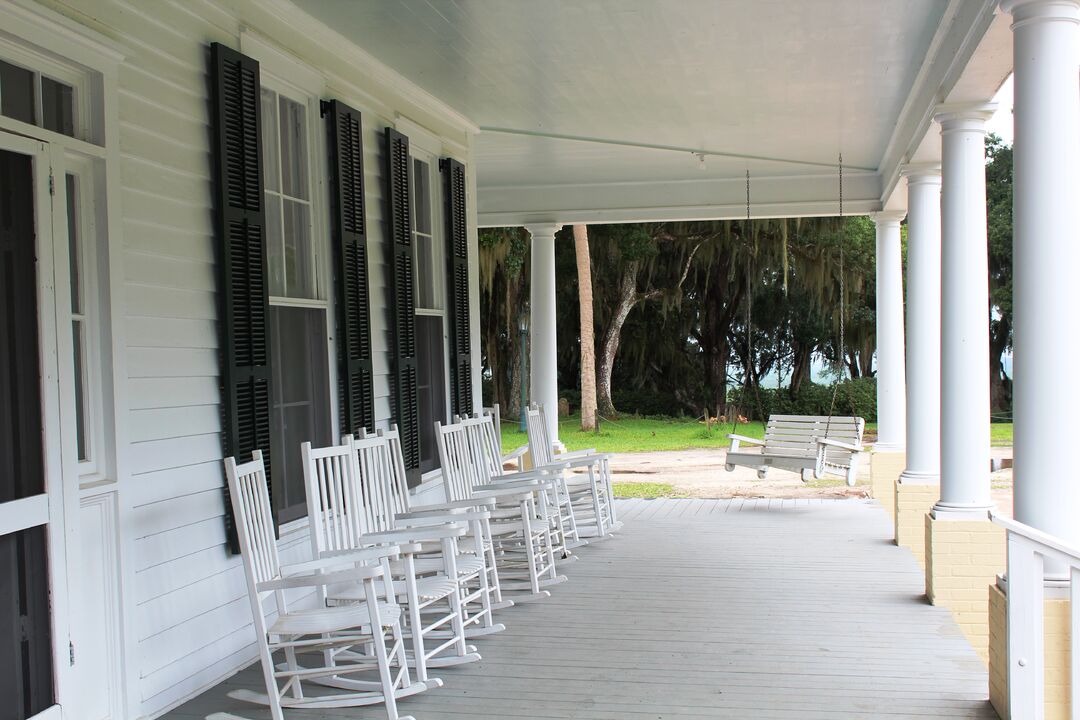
890, 334
965, 337
1046, 252
543, 367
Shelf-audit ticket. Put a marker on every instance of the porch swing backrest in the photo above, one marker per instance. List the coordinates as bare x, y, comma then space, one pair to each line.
798, 435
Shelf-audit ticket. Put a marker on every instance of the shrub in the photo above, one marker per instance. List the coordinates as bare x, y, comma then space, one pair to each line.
853, 397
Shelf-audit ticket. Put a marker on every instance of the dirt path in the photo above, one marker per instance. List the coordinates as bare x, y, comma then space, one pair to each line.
701, 473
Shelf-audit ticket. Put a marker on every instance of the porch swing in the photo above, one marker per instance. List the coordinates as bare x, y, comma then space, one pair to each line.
814, 446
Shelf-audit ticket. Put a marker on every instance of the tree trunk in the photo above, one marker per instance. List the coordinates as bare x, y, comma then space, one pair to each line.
627, 298
586, 339
719, 312
1000, 384
801, 365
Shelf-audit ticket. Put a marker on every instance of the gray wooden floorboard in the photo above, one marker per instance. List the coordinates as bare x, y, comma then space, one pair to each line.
703, 610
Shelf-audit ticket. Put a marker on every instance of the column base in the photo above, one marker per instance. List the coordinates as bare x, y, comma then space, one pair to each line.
885, 468
915, 497
964, 556
1056, 655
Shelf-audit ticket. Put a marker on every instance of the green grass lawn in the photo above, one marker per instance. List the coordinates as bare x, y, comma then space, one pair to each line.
651, 434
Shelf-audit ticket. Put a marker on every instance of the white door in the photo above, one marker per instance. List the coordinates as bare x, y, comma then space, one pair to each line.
36, 453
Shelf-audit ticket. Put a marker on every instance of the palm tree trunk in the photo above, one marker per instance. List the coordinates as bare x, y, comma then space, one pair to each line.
587, 341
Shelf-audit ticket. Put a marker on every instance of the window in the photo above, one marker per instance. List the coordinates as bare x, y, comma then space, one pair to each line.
431, 384
429, 294
300, 406
35, 98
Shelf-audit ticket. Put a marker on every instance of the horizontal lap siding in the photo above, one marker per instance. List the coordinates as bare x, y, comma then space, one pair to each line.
191, 614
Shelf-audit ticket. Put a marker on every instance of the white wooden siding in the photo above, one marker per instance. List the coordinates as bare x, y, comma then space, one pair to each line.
191, 617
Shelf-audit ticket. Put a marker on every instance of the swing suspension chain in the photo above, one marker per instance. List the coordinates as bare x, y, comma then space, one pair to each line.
840, 349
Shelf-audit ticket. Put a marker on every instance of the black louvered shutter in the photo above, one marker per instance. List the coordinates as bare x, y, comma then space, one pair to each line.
242, 291
403, 304
355, 386
457, 267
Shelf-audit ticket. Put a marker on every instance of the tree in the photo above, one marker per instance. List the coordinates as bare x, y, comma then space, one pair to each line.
586, 340
504, 254
999, 223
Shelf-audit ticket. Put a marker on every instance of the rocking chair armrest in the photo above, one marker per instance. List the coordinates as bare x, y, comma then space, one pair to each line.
575, 454
478, 504
505, 493
577, 462
340, 559
351, 575
543, 474
408, 520
842, 445
747, 440
417, 534
515, 454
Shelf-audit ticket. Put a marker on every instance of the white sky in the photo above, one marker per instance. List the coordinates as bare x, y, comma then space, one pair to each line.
1002, 122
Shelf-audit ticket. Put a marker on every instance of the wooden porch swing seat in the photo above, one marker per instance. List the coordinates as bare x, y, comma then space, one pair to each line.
814, 446
351, 639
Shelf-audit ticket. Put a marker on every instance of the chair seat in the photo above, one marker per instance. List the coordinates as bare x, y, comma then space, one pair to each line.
332, 619
428, 588
467, 564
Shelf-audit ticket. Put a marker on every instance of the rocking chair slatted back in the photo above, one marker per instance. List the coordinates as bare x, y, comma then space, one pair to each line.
540, 445
254, 521
336, 514
485, 435
396, 478
374, 466
460, 458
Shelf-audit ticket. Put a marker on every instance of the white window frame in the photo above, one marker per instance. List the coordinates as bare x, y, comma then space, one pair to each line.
89, 243
86, 100
288, 76
426, 146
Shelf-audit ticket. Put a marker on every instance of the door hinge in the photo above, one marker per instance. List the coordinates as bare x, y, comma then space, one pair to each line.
52, 183
71, 653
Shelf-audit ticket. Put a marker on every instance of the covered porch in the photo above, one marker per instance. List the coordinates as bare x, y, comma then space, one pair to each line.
713, 609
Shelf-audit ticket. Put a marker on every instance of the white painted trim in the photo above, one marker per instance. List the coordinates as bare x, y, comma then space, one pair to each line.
24, 513
420, 138
30, 21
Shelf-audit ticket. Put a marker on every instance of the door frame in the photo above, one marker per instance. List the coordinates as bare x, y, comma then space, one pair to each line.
55, 507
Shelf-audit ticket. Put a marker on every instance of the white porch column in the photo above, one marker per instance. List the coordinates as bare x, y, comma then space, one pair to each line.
890, 334
1046, 253
965, 333
543, 368
923, 325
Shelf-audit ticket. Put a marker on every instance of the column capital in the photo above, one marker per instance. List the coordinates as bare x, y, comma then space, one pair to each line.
960, 117
1029, 12
546, 230
921, 172
888, 217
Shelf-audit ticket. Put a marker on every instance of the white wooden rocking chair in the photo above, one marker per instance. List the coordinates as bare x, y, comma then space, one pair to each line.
589, 494
346, 490
478, 559
521, 534
322, 631
814, 446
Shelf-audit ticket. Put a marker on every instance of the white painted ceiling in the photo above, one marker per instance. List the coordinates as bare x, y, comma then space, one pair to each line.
782, 86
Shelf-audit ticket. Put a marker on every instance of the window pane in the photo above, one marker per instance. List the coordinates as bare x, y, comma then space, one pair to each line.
16, 92
421, 197
73, 244
78, 340
299, 281
301, 399
425, 274
275, 254
293, 149
270, 140
57, 106
430, 386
